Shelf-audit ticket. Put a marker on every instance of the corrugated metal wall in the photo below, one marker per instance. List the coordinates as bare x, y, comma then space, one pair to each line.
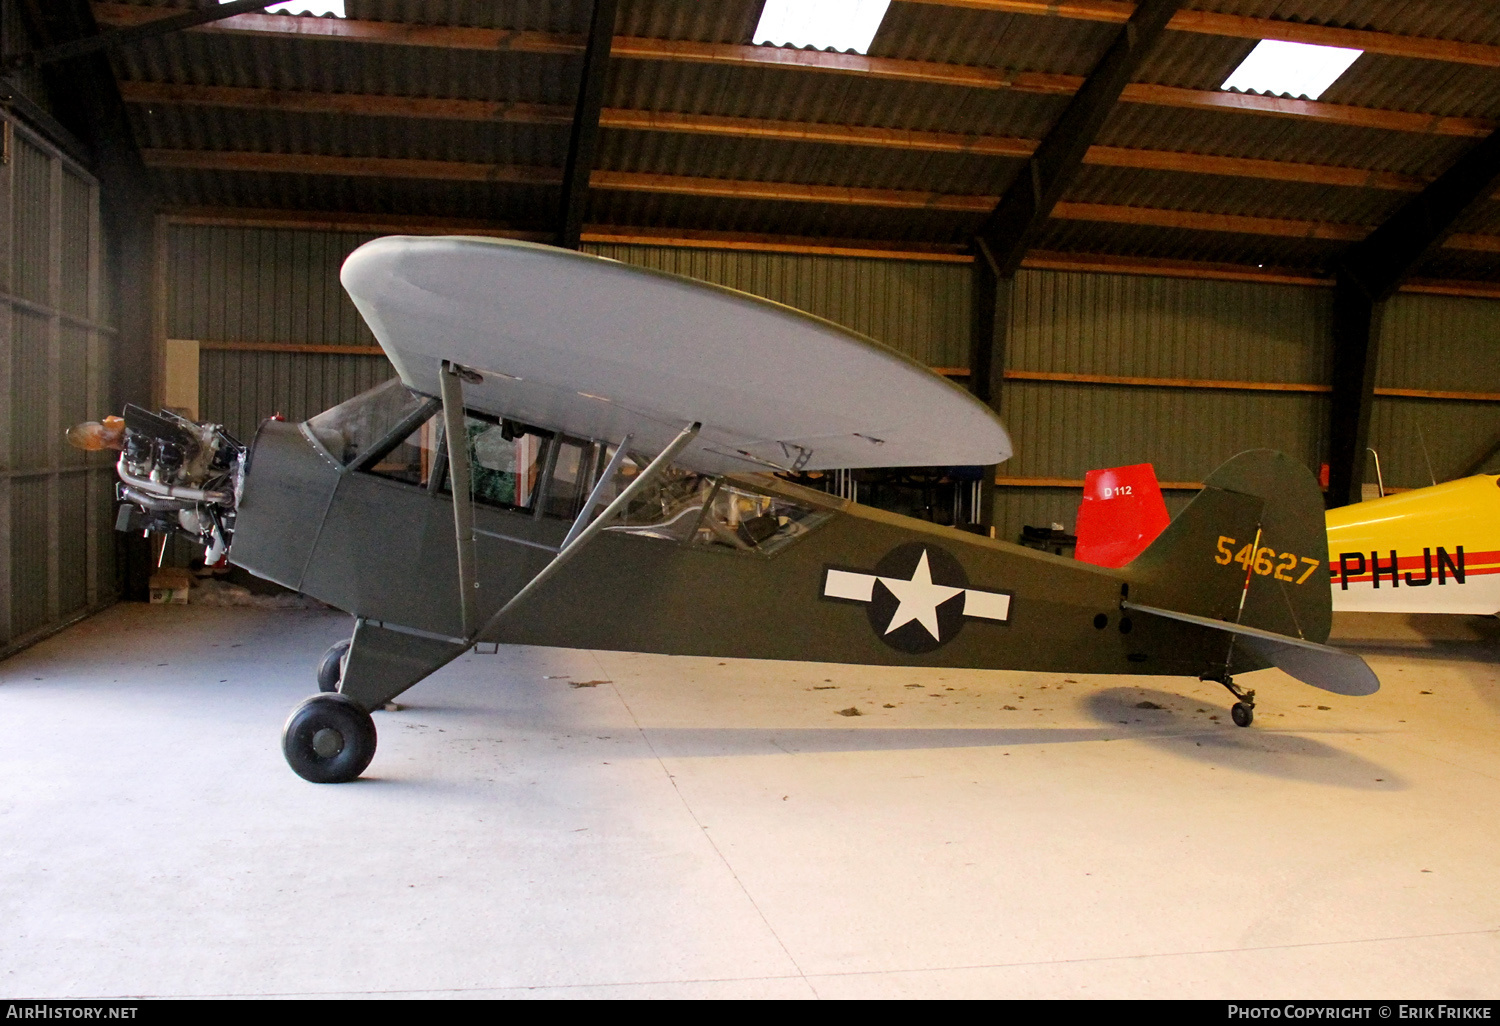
1142, 327
260, 285
57, 560
1436, 343
248, 286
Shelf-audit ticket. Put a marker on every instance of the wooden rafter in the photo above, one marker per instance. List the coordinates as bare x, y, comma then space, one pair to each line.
492, 40
365, 104
683, 185
727, 188
1243, 27
357, 167
755, 128
351, 30
1306, 110
1207, 222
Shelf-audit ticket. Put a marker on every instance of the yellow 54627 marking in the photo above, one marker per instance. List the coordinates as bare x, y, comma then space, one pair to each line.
1265, 561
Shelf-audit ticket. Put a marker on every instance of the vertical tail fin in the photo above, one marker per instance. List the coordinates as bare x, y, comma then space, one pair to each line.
1250, 549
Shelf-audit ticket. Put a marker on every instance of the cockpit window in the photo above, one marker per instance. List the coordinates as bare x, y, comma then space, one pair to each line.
504, 464
707, 511
738, 518
669, 508
354, 427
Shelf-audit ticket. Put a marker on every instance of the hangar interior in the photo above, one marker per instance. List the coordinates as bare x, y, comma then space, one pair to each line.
1056, 204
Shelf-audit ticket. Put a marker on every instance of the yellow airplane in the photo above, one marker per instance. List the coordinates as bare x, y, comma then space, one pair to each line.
1428, 550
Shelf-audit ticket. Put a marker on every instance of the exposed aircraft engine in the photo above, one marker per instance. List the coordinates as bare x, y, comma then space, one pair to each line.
176, 476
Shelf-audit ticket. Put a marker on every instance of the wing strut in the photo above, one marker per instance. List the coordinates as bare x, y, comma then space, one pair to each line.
597, 495
583, 537
463, 500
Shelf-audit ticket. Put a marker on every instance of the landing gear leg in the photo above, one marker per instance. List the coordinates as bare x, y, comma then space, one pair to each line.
1243, 712
330, 738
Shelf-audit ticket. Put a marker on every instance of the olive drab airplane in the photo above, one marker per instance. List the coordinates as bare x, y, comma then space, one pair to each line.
1426, 550
615, 488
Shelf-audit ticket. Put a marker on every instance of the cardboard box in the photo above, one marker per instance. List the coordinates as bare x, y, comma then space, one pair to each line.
170, 586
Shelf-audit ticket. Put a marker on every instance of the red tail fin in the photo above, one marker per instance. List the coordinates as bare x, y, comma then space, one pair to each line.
1122, 512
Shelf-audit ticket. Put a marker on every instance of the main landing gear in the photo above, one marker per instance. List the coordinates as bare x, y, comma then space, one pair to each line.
331, 669
328, 739
1243, 712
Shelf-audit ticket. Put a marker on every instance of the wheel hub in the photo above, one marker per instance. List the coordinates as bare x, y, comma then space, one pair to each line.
328, 743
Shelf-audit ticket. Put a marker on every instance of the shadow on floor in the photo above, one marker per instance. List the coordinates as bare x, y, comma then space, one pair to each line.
1177, 726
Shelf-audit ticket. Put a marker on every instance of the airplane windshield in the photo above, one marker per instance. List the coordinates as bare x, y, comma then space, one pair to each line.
354, 426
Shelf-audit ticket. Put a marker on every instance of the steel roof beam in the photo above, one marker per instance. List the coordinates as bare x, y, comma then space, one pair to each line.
1366, 275
1024, 208
1019, 218
584, 136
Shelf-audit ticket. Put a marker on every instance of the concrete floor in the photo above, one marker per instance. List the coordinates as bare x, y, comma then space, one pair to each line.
689, 827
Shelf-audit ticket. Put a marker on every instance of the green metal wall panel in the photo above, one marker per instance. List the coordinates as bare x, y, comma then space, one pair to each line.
268, 285
56, 552
241, 389
76, 239
1136, 326
72, 544
1064, 429
31, 387
261, 285
72, 393
29, 584
1439, 343
31, 226
1145, 327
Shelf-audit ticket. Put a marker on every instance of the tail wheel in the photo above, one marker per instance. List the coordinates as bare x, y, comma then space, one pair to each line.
1242, 714
328, 739
331, 669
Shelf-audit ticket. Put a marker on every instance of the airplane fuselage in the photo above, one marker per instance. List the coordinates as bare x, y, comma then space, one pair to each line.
858, 586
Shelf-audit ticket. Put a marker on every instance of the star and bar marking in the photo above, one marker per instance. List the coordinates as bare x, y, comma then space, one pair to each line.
918, 597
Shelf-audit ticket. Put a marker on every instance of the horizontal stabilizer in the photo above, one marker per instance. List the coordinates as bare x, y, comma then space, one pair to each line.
1343, 673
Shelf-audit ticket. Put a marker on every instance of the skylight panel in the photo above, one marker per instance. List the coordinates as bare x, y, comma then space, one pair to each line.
823, 24
1290, 69
318, 7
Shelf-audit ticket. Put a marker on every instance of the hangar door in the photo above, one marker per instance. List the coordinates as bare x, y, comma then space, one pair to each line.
56, 539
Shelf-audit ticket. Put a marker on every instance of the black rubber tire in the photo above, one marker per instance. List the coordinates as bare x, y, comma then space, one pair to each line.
331, 669
1242, 714
328, 758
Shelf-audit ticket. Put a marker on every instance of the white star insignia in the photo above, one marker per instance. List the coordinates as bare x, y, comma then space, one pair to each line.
917, 597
